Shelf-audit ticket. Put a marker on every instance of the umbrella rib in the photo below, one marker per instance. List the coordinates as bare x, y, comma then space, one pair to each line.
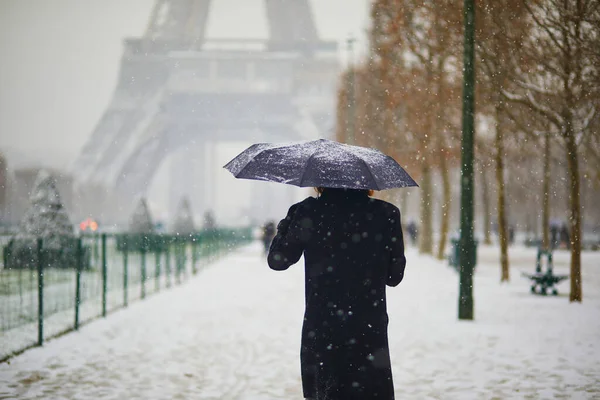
245, 166
368, 169
249, 162
305, 168
228, 165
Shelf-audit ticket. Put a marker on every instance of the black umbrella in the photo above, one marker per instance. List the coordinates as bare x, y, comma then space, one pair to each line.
321, 163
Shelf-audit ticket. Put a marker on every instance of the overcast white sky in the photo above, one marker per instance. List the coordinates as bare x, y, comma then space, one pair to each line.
60, 58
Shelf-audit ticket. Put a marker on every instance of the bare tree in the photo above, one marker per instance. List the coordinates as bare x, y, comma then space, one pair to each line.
429, 42
501, 32
563, 89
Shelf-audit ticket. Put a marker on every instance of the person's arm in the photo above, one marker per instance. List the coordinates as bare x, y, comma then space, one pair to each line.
287, 247
396, 243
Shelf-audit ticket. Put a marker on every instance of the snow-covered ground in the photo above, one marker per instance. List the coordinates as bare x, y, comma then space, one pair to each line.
233, 332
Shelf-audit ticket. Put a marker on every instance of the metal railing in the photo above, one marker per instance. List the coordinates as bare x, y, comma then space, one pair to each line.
46, 291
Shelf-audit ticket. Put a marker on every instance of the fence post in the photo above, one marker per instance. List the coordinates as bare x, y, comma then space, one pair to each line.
143, 262
194, 256
182, 262
40, 271
178, 262
157, 272
184, 255
95, 237
104, 275
219, 246
184, 258
220, 241
168, 265
209, 250
79, 267
125, 269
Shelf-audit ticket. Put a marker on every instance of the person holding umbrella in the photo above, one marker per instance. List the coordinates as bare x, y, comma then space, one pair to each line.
353, 248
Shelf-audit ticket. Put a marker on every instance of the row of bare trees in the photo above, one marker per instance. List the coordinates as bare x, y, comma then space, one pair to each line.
538, 105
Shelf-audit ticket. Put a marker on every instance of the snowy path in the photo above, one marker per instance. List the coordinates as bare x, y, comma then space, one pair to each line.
233, 332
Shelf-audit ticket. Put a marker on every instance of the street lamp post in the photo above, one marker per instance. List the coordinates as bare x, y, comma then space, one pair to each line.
351, 95
467, 241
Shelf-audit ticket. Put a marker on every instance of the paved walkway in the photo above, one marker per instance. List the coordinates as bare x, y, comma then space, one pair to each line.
234, 333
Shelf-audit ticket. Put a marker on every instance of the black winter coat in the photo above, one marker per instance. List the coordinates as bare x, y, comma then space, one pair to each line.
353, 247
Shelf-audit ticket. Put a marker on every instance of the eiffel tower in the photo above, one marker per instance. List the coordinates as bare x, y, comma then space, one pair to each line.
179, 93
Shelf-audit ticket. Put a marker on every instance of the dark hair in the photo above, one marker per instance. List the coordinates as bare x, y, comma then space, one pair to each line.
369, 192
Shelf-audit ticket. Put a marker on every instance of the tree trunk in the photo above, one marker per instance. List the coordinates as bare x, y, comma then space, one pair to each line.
426, 228
445, 214
546, 195
426, 231
575, 203
487, 239
440, 131
502, 231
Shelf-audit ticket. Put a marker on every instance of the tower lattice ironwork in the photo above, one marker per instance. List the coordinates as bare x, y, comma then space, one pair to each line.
177, 88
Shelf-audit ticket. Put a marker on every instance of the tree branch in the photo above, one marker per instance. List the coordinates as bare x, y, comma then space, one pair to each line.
530, 101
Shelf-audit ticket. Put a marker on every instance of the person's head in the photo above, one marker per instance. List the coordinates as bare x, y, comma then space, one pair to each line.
321, 190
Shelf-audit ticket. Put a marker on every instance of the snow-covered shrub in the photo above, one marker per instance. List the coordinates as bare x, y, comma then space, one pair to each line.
46, 219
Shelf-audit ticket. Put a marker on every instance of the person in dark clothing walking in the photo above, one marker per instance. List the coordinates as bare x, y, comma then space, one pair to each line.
353, 247
554, 242
564, 236
413, 232
511, 235
268, 234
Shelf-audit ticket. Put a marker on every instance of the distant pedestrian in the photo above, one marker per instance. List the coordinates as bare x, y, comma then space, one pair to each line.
565, 237
267, 235
511, 235
209, 221
554, 239
413, 232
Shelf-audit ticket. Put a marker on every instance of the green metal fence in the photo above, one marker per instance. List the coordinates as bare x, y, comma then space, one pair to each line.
40, 299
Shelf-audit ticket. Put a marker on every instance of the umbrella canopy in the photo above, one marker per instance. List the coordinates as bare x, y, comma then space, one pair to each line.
323, 163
